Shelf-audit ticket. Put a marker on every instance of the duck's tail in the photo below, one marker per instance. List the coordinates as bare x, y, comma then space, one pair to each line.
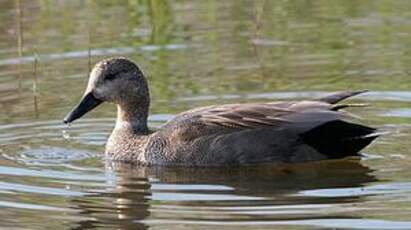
336, 97
338, 138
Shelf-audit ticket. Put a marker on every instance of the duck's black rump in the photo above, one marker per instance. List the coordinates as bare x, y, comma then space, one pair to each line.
337, 139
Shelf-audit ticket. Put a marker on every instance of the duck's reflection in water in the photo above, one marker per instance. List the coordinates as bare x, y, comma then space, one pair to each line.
147, 195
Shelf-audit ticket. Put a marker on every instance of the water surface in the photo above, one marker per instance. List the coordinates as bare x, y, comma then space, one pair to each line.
197, 53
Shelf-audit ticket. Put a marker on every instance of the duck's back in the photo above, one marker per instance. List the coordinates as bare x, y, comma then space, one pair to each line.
257, 133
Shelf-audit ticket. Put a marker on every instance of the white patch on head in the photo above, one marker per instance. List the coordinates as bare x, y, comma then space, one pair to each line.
93, 78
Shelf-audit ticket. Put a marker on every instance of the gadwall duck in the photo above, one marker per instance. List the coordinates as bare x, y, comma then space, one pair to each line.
230, 134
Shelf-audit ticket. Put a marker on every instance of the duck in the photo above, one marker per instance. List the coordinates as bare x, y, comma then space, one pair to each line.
220, 135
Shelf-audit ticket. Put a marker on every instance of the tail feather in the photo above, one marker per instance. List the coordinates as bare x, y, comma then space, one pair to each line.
336, 97
338, 139
343, 106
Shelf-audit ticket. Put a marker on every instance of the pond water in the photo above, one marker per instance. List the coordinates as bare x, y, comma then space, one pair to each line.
197, 53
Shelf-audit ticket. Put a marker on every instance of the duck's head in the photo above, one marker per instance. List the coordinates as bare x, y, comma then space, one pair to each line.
117, 80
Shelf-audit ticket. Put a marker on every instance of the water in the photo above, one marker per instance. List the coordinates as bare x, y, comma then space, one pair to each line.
197, 53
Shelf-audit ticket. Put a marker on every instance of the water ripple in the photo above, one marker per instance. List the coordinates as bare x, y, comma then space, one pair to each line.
93, 52
19, 188
53, 174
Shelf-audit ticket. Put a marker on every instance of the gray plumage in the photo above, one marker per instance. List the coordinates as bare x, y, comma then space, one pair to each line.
231, 134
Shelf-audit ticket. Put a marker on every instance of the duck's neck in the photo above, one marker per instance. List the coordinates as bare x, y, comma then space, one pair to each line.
132, 118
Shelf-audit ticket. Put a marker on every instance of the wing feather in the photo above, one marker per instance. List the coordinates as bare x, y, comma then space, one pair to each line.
260, 115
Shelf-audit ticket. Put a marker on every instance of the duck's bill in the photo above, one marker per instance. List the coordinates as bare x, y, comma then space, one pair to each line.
87, 103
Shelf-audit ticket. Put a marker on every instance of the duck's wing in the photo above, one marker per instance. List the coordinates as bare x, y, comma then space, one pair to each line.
308, 113
249, 116
301, 115
246, 116
256, 115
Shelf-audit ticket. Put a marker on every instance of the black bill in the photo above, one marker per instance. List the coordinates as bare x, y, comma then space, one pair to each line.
87, 103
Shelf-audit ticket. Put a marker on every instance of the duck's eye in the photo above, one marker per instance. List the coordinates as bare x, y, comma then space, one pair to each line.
110, 76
